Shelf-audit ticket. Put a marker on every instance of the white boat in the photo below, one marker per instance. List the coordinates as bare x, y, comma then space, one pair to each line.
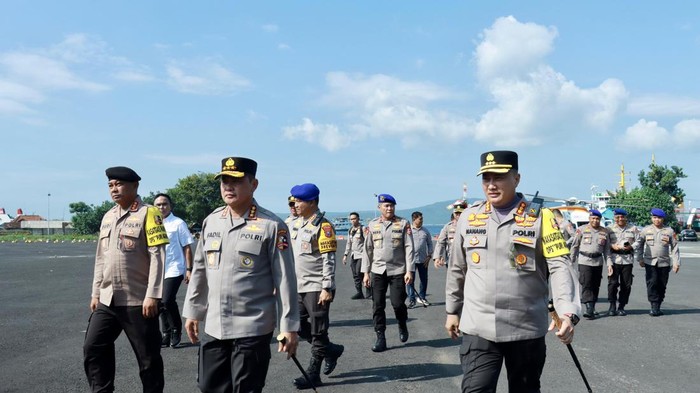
341, 224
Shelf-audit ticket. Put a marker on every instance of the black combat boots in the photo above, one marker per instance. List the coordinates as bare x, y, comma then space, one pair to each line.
590, 311
621, 310
333, 352
612, 311
174, 338
313, 371
655, 309
403, 332
165, 340
380, 344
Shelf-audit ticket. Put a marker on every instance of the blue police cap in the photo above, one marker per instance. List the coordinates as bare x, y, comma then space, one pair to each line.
595, 212
305, 192
386, 198
658, 212
620, 212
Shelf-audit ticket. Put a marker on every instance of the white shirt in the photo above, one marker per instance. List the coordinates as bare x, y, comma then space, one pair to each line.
179, 236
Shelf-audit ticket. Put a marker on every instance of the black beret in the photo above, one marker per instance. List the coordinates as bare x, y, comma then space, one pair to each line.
237, 167
122, 173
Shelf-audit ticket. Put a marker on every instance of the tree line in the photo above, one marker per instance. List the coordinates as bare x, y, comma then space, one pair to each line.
194, 197
197, 195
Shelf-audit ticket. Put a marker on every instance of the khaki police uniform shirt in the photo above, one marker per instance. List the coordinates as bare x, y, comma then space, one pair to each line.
129, 262
444, 241
388, 247
422, 244
355, 243
499, 273
618, 237
238, 266
657, 246
591, 247
314, 246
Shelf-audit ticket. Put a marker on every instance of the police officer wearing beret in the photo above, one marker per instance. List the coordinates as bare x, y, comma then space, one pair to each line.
243, 266
506, 254
127, 285
656, 250
591, 250
622, 237
389, 257
314, 245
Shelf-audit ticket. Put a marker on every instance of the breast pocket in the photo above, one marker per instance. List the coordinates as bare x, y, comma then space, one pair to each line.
249, 255
649, 240
104, 239
586, 239
475, 251
523, 256
305, 243
213, 254
127, 243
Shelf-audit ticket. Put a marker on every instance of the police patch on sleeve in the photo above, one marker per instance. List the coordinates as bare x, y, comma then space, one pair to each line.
553, 243
326, 239
155, 231
282, 241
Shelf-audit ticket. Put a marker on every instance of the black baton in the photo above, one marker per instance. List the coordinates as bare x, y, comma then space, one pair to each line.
281, 338
557, 323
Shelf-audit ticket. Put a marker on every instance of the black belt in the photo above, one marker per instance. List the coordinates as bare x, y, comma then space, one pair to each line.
591, 254
622, 252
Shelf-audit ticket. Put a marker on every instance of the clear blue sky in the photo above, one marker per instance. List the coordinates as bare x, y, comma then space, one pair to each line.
359, 97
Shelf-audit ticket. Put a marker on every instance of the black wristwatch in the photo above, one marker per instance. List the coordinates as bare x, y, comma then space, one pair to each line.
574, 318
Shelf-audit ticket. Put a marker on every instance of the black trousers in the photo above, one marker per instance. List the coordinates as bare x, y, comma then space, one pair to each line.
169, 312
239, 365
104, 326
380, 284
622, 279
357, 275
314, 322
482, 361
657, 278
590, 277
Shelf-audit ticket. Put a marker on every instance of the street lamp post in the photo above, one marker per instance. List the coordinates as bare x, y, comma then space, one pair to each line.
48, 218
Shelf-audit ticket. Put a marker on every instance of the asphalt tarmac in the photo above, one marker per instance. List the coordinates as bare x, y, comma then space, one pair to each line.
45, 293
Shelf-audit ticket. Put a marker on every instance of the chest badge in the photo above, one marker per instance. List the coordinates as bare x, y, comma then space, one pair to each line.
247, 262
476, 258
474, 241
521, 259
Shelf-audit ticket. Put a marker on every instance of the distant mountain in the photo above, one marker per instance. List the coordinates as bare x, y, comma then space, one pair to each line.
433, 214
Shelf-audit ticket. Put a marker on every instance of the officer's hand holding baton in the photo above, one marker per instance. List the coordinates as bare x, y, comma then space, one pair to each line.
408, 278
288, 343
452, 326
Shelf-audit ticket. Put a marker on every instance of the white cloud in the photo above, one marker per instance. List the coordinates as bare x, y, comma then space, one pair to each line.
649, 135
42, 72
510, 49
270, 28
687, 133
531, 99
382, 105
663, 105
283, 46
326, 135
646, 135
204, 77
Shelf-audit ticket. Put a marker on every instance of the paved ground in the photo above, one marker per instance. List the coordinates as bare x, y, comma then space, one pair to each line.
44, 311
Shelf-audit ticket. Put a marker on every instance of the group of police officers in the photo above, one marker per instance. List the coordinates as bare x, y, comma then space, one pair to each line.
252, 271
